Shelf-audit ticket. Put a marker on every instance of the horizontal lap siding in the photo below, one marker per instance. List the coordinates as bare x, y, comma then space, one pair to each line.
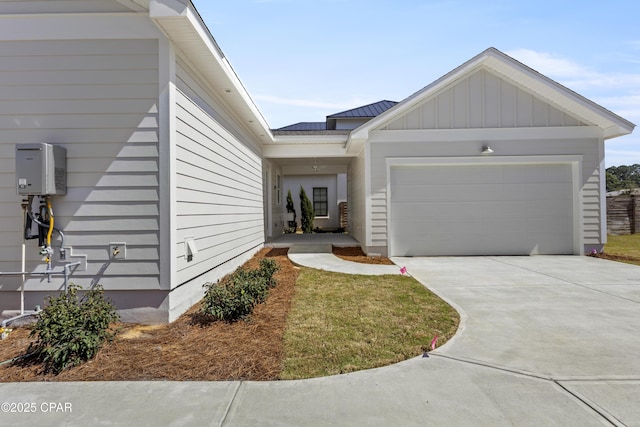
219, 192
62, 6
98, 99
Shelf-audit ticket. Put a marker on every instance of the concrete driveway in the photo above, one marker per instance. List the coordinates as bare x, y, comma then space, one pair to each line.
572, 320
551, 341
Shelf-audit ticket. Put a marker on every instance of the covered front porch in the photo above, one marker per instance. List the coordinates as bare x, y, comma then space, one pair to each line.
334, 239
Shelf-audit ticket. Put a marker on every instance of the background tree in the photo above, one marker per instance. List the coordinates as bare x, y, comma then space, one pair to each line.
306, 212
623, 177
291, 209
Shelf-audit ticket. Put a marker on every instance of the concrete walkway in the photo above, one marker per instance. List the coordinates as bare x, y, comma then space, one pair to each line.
544, 341
320, 256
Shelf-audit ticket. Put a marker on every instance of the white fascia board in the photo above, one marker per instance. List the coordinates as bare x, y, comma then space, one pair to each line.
207, 51
493, 134
303, 151
308, 170
75, 26
310, 139
483, 160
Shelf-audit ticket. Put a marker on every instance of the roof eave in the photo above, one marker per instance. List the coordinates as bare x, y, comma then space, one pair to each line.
610, 123
182, 24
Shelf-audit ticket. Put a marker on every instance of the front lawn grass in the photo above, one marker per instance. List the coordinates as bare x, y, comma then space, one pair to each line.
625, 248
343, 323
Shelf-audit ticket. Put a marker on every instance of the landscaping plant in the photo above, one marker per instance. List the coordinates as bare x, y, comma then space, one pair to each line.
235, 296
306, 212
291, 209
71, 329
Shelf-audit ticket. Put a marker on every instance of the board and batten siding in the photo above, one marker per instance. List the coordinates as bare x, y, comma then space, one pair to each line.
219, 180
483, 100
99, 100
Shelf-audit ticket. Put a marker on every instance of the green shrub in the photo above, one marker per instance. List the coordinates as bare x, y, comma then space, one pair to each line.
306, 212
71, 329
268, 269
292, 225
235, 296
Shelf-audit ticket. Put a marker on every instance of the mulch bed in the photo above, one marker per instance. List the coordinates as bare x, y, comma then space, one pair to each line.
356, 255
189, 348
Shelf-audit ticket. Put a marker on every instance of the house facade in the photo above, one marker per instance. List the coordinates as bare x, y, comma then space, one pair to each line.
491, 159
174, 177
163, 145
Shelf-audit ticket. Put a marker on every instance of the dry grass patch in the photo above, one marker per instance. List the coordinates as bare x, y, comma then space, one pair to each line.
342, 323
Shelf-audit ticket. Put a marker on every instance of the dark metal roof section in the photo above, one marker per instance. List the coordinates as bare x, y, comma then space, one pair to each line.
328, 127
371, 110
278, 132
305, 126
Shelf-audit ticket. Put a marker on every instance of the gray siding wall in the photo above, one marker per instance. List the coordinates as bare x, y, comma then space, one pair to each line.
98, 99
61, 6
219, 193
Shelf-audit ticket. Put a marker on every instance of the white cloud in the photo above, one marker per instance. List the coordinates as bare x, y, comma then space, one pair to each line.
574, 75
548, 64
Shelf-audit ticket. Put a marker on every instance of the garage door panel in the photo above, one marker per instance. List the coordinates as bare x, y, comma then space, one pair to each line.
481, 209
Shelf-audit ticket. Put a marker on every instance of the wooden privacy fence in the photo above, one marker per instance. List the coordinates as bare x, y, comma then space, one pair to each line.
623, 214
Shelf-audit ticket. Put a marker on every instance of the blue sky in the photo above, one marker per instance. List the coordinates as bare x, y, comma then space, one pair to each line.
301, 60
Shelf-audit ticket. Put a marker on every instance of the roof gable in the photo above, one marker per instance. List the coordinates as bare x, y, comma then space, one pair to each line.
482, 100
495, 63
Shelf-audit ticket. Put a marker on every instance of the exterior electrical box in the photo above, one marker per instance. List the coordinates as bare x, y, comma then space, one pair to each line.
41, 170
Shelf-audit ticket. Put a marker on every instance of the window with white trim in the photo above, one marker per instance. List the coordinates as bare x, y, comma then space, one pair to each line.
320, 201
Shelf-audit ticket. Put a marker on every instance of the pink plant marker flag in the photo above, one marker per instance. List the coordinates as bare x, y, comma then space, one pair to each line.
434, 341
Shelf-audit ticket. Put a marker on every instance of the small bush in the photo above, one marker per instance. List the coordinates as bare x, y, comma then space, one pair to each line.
292, 225
306, 212
268, 269
236, 295
71, 329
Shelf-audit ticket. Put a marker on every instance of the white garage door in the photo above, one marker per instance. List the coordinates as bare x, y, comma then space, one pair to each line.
507, 209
